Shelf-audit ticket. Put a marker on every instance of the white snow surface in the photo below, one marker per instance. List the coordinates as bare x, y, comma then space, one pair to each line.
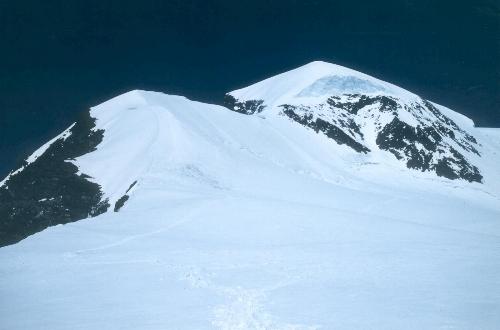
245, 222
316, 81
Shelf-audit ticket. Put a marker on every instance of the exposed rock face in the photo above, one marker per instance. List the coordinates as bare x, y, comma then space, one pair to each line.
415, 132
341, 130
248, 107
50, 190
423, 148
122, 200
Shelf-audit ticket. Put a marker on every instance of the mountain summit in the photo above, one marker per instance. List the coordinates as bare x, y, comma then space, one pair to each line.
363, 122
309, 198
369, 116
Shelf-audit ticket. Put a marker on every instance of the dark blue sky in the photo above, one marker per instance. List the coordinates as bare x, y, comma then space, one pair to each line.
59, 57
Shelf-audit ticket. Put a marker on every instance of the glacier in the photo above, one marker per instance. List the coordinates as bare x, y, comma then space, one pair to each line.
253, 222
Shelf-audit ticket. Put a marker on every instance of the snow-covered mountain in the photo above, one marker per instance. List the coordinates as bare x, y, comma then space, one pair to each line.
368, 115
326, 199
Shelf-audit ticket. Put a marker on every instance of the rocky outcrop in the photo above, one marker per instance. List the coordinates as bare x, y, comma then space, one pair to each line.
50, 190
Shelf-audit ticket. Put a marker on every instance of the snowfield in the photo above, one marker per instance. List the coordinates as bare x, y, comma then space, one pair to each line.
252, 222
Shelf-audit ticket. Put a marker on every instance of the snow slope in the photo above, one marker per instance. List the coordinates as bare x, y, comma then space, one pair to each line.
314, 80
252, 222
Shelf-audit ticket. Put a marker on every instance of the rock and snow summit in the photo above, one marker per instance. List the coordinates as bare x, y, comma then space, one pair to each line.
320, 198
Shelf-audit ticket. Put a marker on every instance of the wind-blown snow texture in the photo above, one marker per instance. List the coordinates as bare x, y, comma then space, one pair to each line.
234, 221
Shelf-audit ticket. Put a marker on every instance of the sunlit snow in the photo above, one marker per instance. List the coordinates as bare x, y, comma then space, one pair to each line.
246, 222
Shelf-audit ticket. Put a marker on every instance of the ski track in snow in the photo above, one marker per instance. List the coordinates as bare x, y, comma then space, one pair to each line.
190, 216
242, 309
